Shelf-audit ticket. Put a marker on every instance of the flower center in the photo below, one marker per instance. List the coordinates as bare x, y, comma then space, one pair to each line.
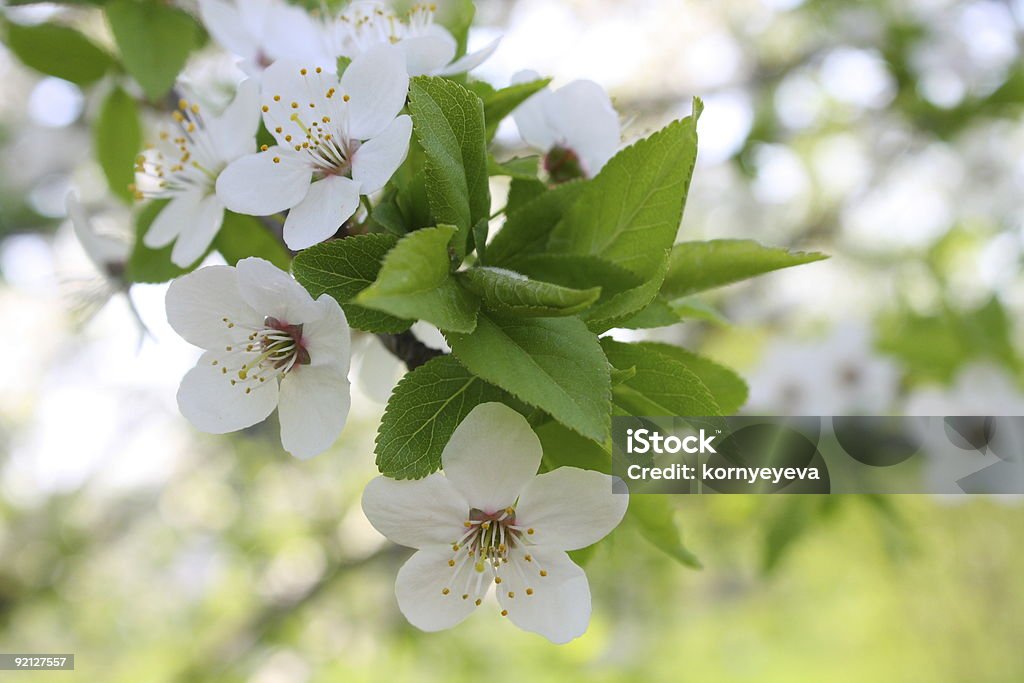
493, 547
268, 352
563, 165
183, 161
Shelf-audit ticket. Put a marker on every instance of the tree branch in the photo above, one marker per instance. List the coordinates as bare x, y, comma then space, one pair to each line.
408, 349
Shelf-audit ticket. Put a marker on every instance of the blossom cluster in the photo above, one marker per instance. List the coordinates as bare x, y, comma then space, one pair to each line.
331, 94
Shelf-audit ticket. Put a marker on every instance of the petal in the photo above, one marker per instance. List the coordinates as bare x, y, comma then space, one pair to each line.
420, 586
377, 83
420, 514
557, 606
376, 161
288, 94
290, 33
377, 371
313, 409
570, 508
586, 121
328, 338
224, 23
179, 213
198, 303
214, 405
327, 205
272, 292
491, 456
430, 336
234, 131
197, 236
258, 186
470, 61
428, 53
531, 116
100, 249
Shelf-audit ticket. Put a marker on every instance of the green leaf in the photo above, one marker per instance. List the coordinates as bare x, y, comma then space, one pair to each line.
555, 364
155, 40
522, 191
150, 265
578, 272
501, 103
523, 168
344, 268
728, 389
449, 124
698, 266
661, 386
623, 305
341, 65
630, 213
58, 51
565, 448
528, 228
415, 282
118, 138
423, 412
243, 236
505, 291
654, 517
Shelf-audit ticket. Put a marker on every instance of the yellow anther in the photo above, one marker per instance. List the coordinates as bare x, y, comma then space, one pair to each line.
177, 116
319, 70
529, 591
504, 612
445, 592
346, 98
183, 104
195, 108
528, 558
465, 596
530, 531
303, 72
543, 572
511, 594
467, 524
295, 105
264, 148
497, 579
451, 563
265, 109
478, 601
277, 160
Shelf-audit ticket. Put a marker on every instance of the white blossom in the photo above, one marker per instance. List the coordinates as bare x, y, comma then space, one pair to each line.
184, 166
574, 126
336, 140
491, 520
268, 345
429, 48
260, 32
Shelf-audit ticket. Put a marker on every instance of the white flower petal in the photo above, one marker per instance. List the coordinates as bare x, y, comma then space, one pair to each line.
531, 116
313, 408
423, 513
177, 215
428, 53
256, 185
213, 405
430, 336
376, 161
234, 131
377, 84
491, 456
570, 508
196, 237
290, 33
557, 606
470, 61
198, 302
329, 203
287, 94
272, 292
376, 370
224, 22
327, 338
420, 585
100, 249
586, 121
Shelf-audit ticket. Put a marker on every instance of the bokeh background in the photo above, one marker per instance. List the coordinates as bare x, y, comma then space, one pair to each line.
887, 133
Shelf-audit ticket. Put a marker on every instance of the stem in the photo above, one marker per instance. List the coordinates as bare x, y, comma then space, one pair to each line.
408, 349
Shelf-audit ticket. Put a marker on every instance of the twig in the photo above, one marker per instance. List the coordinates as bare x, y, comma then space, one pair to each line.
408, 349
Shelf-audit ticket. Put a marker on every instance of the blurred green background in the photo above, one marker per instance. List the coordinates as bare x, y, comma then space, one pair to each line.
886, 133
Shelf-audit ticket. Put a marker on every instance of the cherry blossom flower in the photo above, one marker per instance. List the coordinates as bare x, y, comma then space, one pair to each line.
268, 345
337, 140
376, 370
429, 48
490, 519
575, 127
184, 166
261, 31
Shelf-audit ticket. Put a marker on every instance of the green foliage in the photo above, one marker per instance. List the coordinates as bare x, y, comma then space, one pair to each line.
565, 448
697, 266
522, 168
449, 125
343, 269
654, 517
508, 292
728, 389
118, 137
500, 103
244, 236
58, 51
629, 214
620, 307
155, 40
662, 385
528, 227
415, 281
150, 265
555, 364
423, 412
